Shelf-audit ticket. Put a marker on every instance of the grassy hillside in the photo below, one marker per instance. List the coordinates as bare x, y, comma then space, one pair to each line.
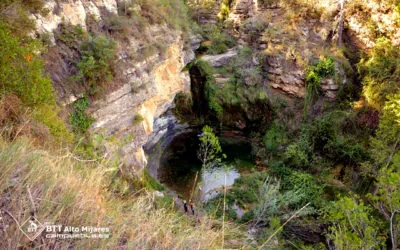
62, 189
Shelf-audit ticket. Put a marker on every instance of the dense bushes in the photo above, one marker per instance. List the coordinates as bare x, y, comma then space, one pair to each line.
198, 7
134, 17
315, 74
48, 115
323, 137
95, 67
274, 137
263, 196
225, 9
22, 74
242, 89
219, 41
352, 225
70, 35
300, 153
15, 14
21, 70
254, 27
380, 72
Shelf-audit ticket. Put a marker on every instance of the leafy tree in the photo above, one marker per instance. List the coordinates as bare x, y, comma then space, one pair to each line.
380, 72
321, 132
387, 197
210, 151
386, 141
352, 225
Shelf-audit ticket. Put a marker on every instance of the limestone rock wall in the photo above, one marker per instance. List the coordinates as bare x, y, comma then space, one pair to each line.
243, 9
289, 47
74, 12
146, 86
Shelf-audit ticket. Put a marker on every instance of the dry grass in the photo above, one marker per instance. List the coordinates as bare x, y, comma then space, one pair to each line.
70, 192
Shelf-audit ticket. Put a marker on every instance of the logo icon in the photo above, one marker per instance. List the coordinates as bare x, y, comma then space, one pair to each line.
32, 228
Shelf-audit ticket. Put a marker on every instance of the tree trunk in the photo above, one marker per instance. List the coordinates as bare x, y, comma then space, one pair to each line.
393, 231
341, 23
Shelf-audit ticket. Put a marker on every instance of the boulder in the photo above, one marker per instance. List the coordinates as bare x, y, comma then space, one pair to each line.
221, 59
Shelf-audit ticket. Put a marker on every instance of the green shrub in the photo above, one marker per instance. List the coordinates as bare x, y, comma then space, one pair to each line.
352, 224
212, 92
71, 35
243, 196
346, 151
279, 169
137, 119
306, 187
150, 182
242, 69
254, 27
22, 73
219, 40
15, 14
387, 134
325, 67
48, 115
322, 131
315, 74
300, 153
79, 120
96, 65
224, 10
22, 70
136, 16
274, 137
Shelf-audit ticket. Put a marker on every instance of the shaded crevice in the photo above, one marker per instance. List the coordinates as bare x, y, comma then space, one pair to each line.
197, 88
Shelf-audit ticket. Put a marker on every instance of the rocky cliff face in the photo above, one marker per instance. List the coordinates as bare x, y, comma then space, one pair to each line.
145, 87
73, 12
243, 9
116, 115
290, 44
